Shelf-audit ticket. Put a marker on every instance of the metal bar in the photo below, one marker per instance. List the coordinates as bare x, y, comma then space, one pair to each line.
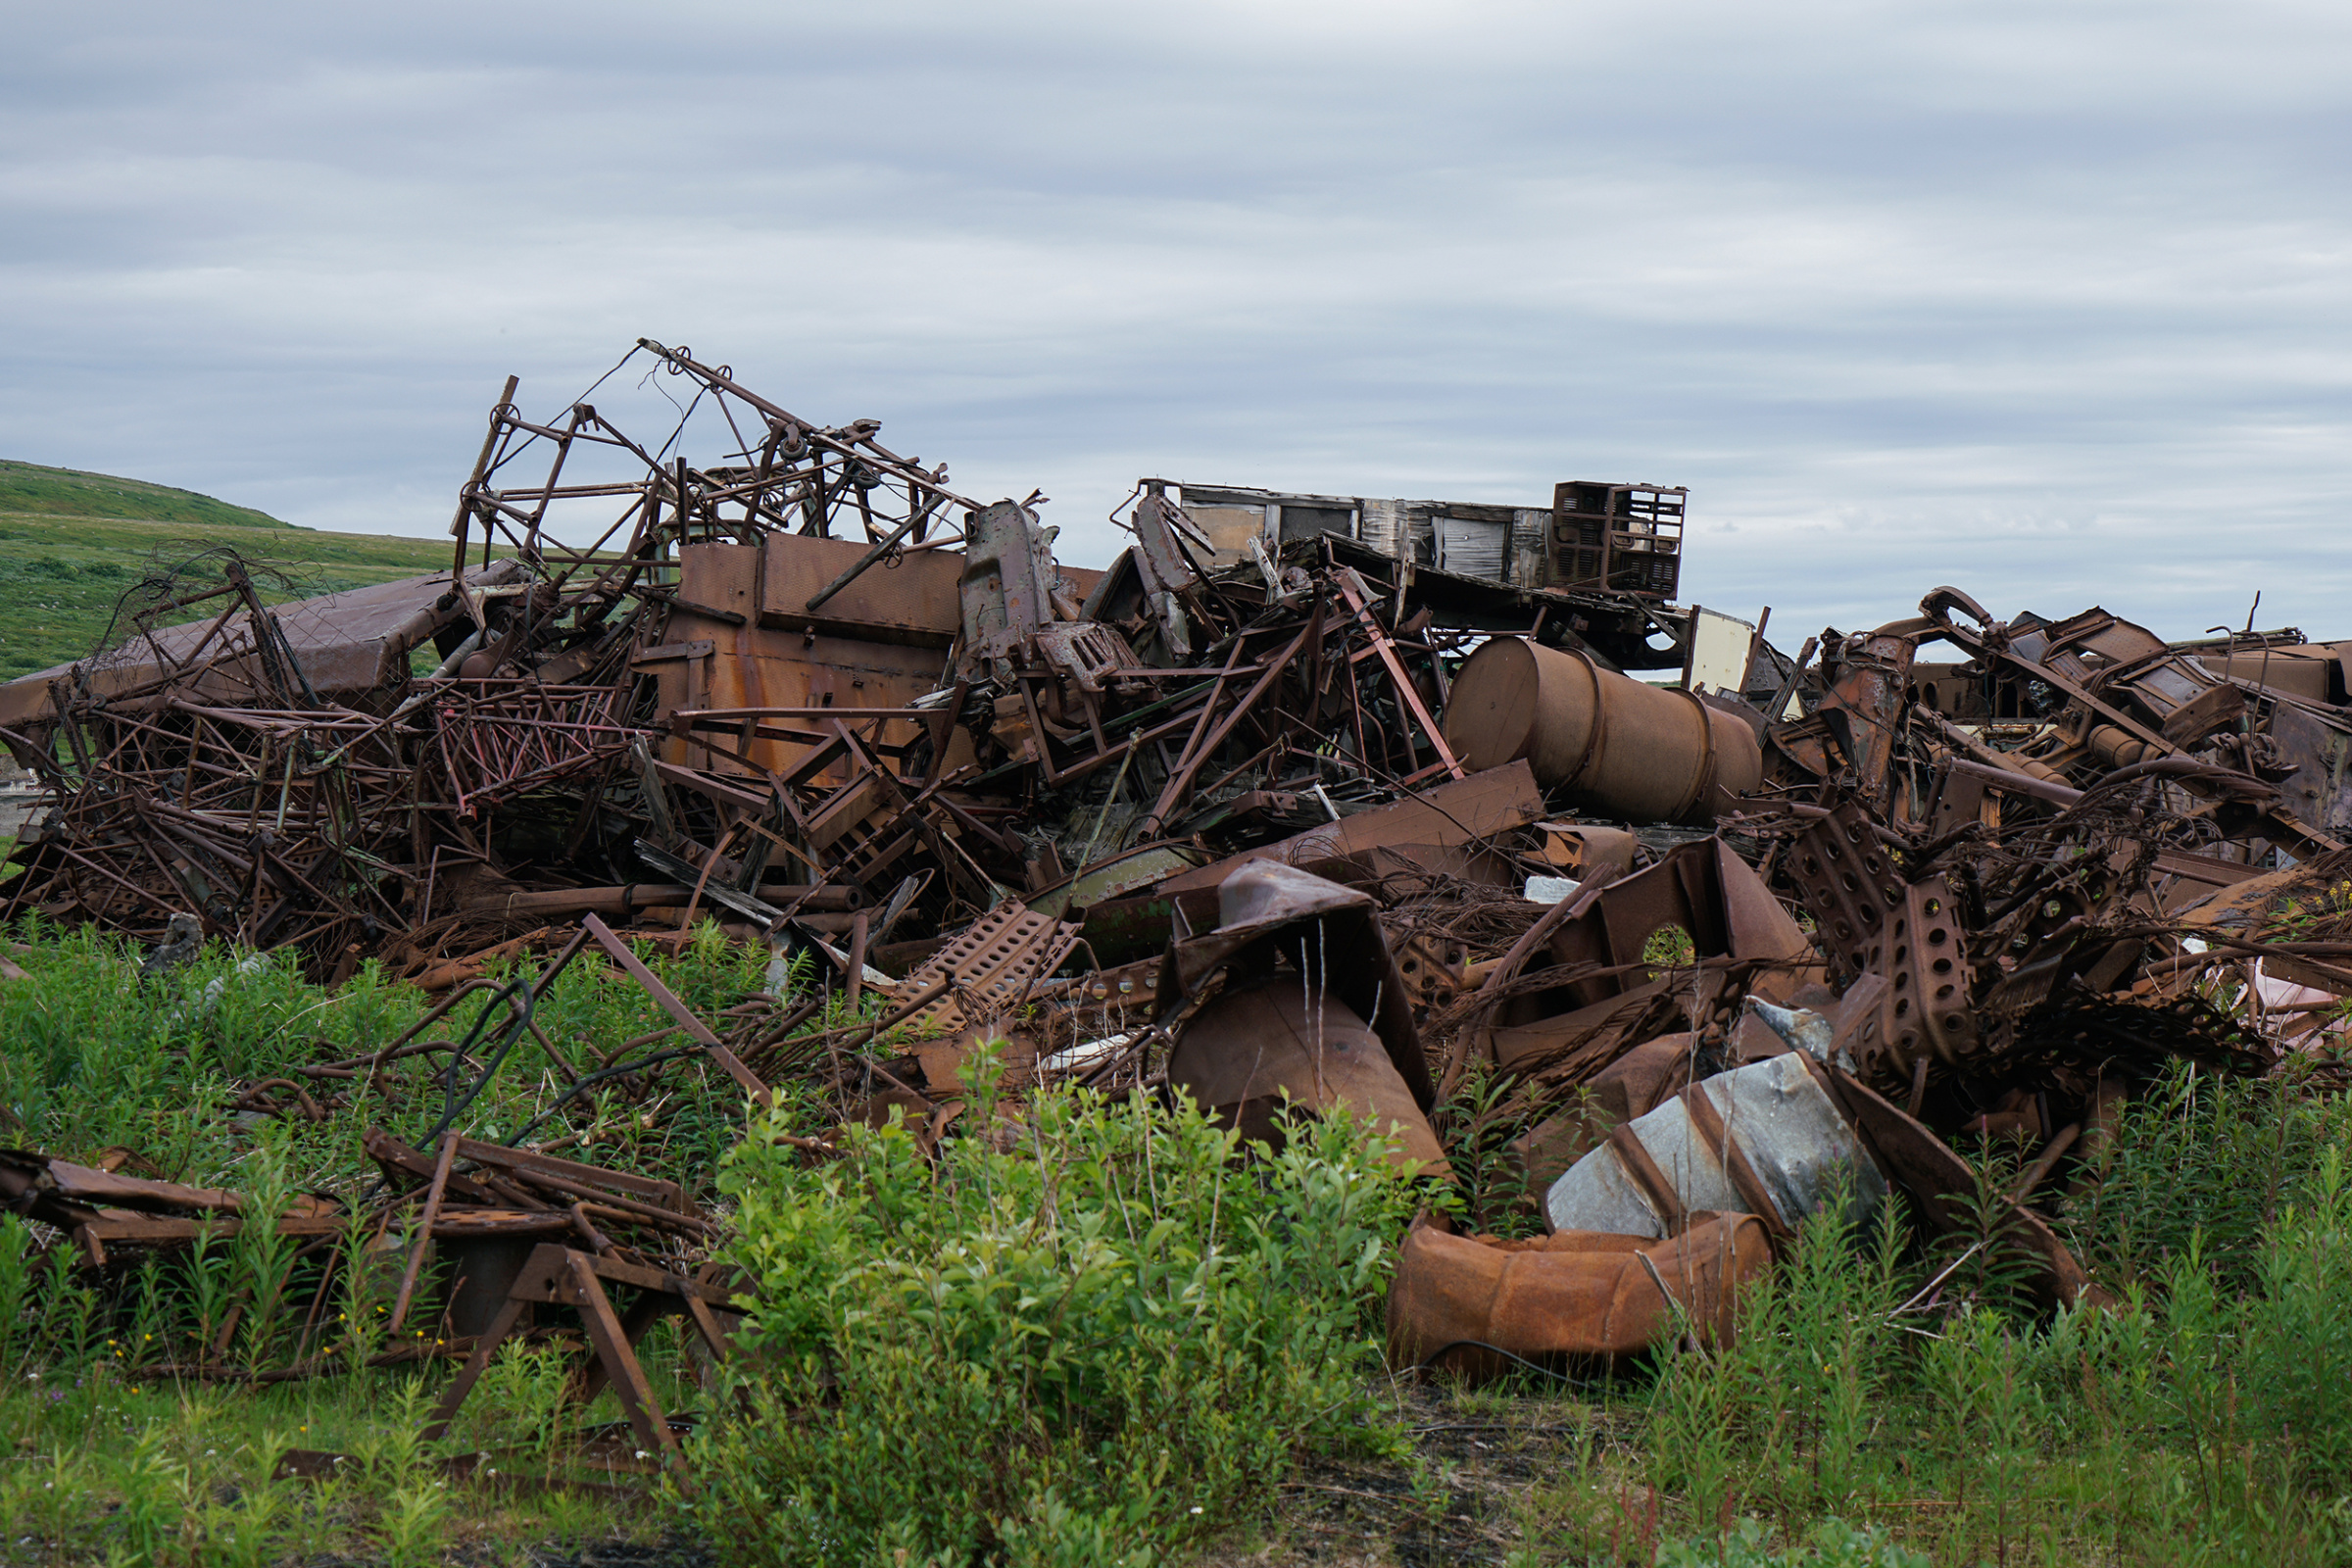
1349, 585
423, 1237
881, 549
1189, 767
621, 954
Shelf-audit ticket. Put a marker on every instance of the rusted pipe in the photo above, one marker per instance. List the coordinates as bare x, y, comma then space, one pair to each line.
1455, 1301
1649, 753
1971, 747
623, 900
2041, 789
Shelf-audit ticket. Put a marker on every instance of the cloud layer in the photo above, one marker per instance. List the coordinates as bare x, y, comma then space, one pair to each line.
2050, 303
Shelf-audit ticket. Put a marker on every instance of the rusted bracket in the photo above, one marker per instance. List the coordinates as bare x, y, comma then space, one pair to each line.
1181, 784
557, 1275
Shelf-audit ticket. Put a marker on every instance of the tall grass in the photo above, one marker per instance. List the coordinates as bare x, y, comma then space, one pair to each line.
2205, 1161
154, 1070
2203, 1420
107, 1469
1066, 1333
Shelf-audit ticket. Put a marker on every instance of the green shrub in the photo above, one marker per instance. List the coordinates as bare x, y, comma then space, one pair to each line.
1082, 1337
1477, 1123
2199, 1154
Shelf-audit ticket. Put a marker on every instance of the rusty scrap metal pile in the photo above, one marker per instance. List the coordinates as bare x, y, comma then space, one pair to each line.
1301, 820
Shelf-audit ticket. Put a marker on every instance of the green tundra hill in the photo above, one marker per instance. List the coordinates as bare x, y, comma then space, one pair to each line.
28, 487
71, 544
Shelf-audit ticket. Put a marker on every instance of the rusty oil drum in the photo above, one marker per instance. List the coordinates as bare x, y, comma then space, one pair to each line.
1646, 754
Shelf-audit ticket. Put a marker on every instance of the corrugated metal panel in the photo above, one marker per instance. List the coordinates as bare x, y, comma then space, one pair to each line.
1384, 526
1472, 549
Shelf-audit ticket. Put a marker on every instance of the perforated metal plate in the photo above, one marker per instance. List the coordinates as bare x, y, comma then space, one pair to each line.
995, 959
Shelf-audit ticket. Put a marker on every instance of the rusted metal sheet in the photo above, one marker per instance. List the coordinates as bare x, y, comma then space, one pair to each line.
1263, 1047
1944, 1190
1271, 914
1483, 805
1702, 889
1848, 880
1765, 1139
911, 601
1300, 997
754, 669
347, 642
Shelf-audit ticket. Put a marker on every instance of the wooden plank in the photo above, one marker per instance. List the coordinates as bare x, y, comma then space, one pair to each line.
498, 1156
388, 1151
86, 1184
653, 1278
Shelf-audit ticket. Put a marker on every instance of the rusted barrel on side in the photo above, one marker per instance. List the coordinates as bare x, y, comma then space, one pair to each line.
1648, 754
1574, 1295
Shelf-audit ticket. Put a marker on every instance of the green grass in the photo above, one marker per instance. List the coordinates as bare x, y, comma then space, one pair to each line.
113, 1467
1025, 1348
28, 487
61, 575
98, 1060
1090, 1346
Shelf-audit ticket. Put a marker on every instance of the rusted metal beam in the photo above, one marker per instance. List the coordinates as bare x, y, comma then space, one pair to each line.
620, 952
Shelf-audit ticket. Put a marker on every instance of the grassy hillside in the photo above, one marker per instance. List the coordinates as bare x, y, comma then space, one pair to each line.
28, 487
61, 570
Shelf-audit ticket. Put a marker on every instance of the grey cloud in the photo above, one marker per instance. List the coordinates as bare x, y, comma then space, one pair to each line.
2046, 300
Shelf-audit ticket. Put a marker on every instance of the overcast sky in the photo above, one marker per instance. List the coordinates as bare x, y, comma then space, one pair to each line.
2051, 302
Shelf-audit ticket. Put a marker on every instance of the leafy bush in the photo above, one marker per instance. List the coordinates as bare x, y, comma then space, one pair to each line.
1080, 1336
